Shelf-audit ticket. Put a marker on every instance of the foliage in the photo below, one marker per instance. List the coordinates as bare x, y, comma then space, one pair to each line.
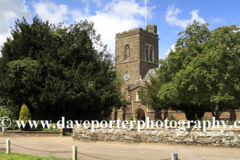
148, 94
51, 129
38, 128
3, 101
11, 112
24, 113
130, 118
171, 118
59, 71
203, 72
24, 116
231, 122
207, 119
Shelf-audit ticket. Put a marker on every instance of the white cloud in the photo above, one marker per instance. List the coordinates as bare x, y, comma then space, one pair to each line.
116, 17
171, 17
51, 12
109, 19
120, 9
99, 3
168, 51
217, 20
10, 11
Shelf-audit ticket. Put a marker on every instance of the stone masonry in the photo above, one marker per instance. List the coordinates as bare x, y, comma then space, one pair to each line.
227, 138
136, 65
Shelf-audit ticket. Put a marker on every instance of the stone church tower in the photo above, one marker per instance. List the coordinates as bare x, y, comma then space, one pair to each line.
136, 54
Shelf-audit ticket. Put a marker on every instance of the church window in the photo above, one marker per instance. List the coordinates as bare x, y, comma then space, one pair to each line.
127, 52
147, 53
137, 96
151, 54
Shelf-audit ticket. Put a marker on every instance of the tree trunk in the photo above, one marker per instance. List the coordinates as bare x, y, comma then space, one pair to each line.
200, 114
190, 114
217, 112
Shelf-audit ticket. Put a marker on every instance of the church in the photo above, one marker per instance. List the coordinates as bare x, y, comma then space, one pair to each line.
137, 59
136, 53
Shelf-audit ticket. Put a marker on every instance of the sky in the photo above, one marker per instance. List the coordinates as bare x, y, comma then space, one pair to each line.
114, 16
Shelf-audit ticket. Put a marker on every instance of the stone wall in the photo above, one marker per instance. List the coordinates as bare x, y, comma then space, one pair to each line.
227, 138
228, 115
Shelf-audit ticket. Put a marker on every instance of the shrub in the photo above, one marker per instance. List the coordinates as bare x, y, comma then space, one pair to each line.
130, 118
206, 119
25, 116
230, 122
39, 127
51, 128
11, 112
170, 118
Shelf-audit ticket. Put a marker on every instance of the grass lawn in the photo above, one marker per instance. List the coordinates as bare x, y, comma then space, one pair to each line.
13, 156
53, 130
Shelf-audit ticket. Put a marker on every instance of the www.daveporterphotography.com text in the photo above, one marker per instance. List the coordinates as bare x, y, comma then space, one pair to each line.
181, 125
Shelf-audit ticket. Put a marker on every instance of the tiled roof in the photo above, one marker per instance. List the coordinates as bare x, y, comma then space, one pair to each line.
136, 84
141, 82
151, 72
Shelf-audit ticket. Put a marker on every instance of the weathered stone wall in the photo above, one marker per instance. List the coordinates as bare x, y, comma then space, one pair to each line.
178, 115
151, 115
229, 115
172, 136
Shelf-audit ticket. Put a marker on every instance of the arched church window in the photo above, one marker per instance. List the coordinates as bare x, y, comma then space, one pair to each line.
147, 53
151, 54
127, 52
137, 96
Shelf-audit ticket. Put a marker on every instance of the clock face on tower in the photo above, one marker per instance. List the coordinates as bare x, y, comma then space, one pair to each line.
126, 77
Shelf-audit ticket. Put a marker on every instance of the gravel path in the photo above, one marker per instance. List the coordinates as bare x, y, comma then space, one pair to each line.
115, 150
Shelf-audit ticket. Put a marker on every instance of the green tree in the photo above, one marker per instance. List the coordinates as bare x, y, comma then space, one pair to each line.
203, 74
12, 112
24, 116
148, 94
57, 71
24, 113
